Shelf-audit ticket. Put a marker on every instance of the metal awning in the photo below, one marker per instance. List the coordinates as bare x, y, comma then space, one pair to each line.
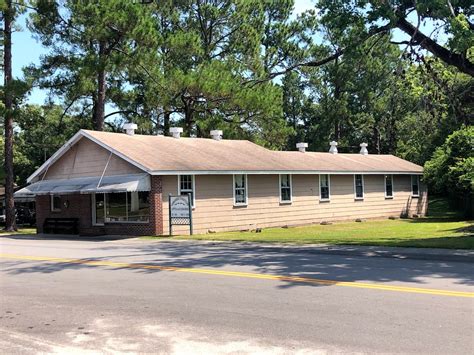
87, 185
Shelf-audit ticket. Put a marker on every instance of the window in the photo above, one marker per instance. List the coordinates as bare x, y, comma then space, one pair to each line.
359, 186
122, 207
55, 203
415, 185
285, 188
240, 190
186, 186
98, 209
388, 186
138, 206
324, 188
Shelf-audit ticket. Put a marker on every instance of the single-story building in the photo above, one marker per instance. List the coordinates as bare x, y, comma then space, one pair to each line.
119, 183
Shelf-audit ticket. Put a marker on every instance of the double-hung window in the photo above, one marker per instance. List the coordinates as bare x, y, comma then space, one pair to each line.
240, 190
388, 186
359, 186
55, 203
415, 185
285, 188
186, 187
324, 188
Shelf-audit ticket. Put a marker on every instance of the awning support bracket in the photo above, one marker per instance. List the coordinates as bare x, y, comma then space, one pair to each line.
105, 168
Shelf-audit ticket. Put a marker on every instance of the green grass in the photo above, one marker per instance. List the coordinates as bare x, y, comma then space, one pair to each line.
21, 230
442, 229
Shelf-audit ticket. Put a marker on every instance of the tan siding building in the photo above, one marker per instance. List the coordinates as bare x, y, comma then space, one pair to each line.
118, 183
215, 210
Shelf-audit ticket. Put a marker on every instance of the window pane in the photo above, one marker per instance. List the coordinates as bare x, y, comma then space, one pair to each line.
324, 192
414, 185
186, 186
138, 206
285, 187
388, 186
359, 186
99, 208
285, 180
285, 194
116, 207
240, 189
186, 182
324, 186
324, 180
56, 202
240, 196
239, 181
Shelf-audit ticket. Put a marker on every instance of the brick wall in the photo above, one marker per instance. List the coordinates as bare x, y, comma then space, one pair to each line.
80, 206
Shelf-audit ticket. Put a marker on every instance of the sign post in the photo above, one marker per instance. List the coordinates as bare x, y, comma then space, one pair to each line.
180, 212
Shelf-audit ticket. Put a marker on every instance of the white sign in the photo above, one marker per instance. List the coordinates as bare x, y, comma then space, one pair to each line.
179, 206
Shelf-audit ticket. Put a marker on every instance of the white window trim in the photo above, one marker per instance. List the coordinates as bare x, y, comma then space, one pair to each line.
193, 202
363, 188
329, 188
411, 184
239, 204
385, 186
52, 203
94, 217
291, 189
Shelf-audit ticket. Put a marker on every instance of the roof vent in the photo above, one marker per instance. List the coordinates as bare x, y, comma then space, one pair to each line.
333, 149
216, 134
363, 149
302, 147
130, 128
176, 132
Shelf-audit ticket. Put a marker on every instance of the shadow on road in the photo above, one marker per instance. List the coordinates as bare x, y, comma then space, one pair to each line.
255, 260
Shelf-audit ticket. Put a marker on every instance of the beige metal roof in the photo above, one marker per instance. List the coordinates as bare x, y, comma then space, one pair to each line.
157, 154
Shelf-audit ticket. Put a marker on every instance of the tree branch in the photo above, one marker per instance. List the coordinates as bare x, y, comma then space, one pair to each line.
118, 112
447, 56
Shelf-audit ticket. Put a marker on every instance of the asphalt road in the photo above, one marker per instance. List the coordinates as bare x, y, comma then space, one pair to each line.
135, 296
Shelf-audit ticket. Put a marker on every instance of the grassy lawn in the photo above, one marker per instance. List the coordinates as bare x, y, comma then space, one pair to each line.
442, 229
21, 230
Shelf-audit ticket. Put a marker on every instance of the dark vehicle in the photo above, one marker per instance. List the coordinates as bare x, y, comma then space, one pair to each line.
25, 215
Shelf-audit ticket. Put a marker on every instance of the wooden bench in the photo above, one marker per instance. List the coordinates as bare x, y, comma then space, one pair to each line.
61, 225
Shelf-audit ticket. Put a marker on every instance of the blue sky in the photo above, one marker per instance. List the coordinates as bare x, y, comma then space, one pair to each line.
26, 49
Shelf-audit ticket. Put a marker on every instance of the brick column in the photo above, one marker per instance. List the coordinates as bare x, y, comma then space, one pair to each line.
156, 204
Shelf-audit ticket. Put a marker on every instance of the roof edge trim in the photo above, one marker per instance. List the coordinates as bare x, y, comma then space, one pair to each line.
275, 172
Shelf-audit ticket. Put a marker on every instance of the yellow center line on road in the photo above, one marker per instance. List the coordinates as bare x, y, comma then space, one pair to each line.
287, 278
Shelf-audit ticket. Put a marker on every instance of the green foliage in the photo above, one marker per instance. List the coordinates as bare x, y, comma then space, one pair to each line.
451, 169
86, 39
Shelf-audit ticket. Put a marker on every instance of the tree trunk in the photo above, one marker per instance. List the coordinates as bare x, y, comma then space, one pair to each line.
188, 116
99, 104
188, 121
337, 98
376, 138
166, 122
10, 224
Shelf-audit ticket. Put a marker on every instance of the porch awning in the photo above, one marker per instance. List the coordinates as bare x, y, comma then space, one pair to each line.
87, 185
